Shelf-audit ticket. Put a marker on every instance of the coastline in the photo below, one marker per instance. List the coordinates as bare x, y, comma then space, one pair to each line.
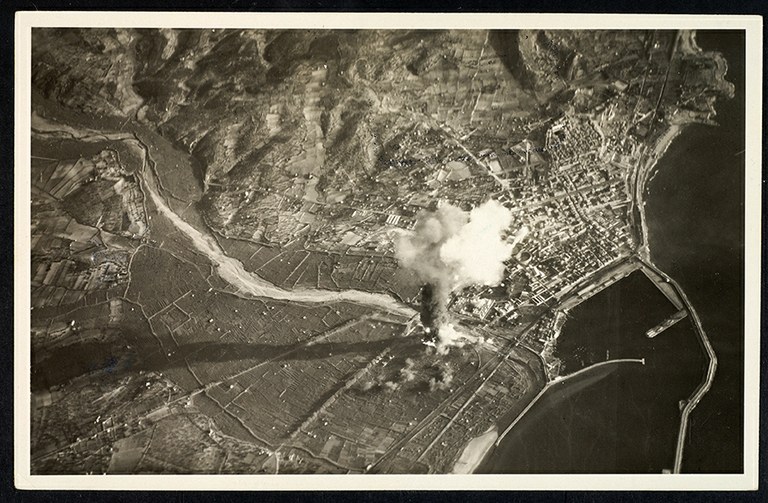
638, 182
478, 449
644, 176
560, 380
645, 173
475, 451
642, 179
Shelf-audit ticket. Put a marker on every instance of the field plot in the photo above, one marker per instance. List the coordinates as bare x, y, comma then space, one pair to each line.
275, 398
290, 387
151, 264
293, 266
399, 389
78, 423
86, 209
178, 444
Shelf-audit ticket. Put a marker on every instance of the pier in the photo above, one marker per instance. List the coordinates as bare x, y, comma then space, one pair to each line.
667, 323
706, 382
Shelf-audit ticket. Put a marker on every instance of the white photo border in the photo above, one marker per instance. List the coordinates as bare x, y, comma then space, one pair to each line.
24, 23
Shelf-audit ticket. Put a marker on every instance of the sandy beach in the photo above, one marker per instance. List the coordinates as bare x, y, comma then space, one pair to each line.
646, 172
475, 451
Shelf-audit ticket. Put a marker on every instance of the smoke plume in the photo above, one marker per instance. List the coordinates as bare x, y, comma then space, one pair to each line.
443, 382
448, 337
450, 249
408, 373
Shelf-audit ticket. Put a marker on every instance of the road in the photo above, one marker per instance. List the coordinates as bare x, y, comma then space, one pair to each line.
233, 271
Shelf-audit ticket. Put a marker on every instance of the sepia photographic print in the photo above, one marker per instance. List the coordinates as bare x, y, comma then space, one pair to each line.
313, 249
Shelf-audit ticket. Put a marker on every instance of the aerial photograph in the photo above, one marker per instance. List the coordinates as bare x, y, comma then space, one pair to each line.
386, 251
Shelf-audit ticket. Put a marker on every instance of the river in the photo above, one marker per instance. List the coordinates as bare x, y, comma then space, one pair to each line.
232, 270
616, 418
228, 268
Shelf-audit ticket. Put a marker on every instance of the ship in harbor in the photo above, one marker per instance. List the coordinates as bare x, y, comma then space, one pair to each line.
674, 318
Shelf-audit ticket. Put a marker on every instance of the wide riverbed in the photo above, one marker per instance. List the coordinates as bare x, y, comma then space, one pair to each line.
230, 269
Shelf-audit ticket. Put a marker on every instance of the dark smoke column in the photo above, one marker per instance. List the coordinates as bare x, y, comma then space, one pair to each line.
433, 312
449, 249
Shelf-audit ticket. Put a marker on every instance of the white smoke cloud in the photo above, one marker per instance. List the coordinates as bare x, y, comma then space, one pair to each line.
448, 337
407, 373
444, 382
390, 386
452, 248
476, 253
419, 250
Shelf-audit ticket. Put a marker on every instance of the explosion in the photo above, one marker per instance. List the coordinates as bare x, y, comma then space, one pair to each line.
450, 249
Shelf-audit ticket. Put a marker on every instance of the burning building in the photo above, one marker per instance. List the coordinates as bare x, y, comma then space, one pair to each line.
450, 249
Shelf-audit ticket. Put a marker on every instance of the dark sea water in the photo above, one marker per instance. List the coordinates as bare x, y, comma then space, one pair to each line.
619, 418
696, 221
624, 417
